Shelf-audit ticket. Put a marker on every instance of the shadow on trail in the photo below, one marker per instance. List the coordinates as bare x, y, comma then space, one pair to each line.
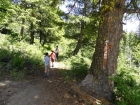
37, 90
40, 90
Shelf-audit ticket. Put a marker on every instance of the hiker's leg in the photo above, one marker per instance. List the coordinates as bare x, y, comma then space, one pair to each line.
52, 62
45, 69
57, 56
48, 68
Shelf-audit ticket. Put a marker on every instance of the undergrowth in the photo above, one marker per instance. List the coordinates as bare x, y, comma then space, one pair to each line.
127, 89
19, 59
76, 68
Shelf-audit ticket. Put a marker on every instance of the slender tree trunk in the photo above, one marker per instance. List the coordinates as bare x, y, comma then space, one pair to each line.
79, 43
22, 28
32, 37
40, 32
45, 38
139, 68
40, 36
110, 29
32, 34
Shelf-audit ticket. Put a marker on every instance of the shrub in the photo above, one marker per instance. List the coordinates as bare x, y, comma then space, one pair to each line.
17, 75
79, 70
5, 55
127, 90
18, 61
76, 67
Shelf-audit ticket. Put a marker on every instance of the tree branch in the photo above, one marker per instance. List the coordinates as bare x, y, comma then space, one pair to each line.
71, 8
134, 4
131, 10
135, 8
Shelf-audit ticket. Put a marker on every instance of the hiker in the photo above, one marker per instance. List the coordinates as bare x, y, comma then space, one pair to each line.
53, 57
47, 63
57, 52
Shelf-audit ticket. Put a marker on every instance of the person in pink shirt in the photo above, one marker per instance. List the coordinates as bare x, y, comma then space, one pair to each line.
52, 57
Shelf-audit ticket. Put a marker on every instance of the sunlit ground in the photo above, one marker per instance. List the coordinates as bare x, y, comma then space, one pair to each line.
4, 83
59, 65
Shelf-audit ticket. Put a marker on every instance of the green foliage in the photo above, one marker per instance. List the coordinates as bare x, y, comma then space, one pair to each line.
5, 55
19, 58
127, 90
17, 75
18, 61
37, 16
79, 70
5, 59
76, 67
4, 6
127, 81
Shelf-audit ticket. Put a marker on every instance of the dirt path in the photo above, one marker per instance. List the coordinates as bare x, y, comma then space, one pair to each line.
52, 90
40, 90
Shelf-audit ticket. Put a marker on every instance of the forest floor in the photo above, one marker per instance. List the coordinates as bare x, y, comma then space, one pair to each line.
40, 90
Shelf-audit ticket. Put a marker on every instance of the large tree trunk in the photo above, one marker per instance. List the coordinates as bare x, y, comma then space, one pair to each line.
110, 29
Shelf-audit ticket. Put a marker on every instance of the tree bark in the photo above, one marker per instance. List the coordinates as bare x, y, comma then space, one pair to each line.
40, 36
32, 34
45, 38
79, 43
32, 37
22, 28
110, 29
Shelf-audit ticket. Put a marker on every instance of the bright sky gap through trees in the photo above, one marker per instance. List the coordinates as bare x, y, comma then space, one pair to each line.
131, 25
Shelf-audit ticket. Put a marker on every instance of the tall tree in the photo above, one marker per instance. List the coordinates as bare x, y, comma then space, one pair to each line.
104, 61
39, 19
49, 21
129, 52
24, 6
81, 11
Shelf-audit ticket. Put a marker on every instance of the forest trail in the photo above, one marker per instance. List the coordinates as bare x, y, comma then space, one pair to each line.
38, 90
